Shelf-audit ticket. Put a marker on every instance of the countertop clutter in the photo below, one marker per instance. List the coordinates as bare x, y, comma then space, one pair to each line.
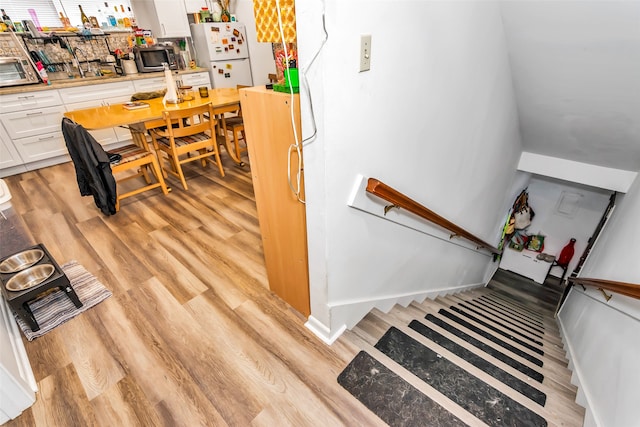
87, 81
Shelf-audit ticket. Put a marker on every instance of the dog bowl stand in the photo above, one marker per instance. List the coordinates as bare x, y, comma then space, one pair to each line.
18, 300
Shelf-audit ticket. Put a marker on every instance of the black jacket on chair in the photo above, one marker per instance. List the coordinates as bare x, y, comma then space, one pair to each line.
93, 170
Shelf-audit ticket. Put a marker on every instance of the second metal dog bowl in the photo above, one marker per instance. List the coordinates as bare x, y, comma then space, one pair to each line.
21, 260
30, 277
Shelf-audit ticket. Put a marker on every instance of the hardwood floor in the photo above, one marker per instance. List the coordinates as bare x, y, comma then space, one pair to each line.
192, 336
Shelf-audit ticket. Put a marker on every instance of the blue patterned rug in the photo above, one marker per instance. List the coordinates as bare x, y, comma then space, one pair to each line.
55, 308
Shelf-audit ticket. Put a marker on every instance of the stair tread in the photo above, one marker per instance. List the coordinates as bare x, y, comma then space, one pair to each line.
483, 357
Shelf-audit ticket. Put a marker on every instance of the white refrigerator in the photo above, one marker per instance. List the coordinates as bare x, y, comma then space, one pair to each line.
222, 48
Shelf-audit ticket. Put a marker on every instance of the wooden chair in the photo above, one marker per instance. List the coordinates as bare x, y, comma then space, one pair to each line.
235, 124
189, 136
141, 160
97, 173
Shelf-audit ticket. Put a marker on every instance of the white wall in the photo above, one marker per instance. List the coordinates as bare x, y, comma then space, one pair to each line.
261, 54
544, 195
435, 117
575, 66
603, 338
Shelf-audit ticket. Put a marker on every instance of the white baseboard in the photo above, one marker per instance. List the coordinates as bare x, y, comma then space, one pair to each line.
347, 314
322, 332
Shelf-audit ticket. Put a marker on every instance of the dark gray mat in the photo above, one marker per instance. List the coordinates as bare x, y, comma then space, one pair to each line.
480, 363
477, 397
531, 373
390, 397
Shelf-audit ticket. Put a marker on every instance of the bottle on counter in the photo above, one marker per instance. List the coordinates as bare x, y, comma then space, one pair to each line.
125, 18
64, 21
43, 73
111, 19
83, 16
119, 19
132, 20
7, 20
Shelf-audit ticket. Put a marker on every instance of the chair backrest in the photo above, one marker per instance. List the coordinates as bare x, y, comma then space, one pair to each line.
238, 87
189, 121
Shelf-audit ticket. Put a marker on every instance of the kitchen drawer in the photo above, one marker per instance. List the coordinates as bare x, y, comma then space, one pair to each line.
22, 124
40, 147
110, 135
29, 100
96, 93
150, 85
196, 80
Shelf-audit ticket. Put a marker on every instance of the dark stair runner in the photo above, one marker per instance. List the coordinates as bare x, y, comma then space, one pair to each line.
399, 403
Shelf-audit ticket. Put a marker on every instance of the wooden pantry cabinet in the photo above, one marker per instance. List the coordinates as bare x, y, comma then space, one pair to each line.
283, 225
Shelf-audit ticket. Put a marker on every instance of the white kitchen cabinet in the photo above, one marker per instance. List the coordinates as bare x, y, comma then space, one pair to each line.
18, 391
196, 80
36, 133
150, 85
37, 121
42, 147
29, 100
77, 98
165, 18
97, 92
32, 122
9, 156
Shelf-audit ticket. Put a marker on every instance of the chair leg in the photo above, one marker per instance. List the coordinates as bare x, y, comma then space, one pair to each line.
218, 162
145, 173
159, 175
177, 167
236, 140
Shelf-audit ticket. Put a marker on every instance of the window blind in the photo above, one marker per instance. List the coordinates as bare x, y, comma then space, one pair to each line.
91, 8
47, 11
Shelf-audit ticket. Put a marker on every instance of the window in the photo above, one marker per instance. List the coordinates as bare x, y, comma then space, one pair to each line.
44, 12
47, 11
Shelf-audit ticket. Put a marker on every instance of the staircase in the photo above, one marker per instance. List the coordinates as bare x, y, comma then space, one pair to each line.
489, 356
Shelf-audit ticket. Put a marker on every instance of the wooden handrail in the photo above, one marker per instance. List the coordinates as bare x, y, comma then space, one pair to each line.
629, 289
399, 200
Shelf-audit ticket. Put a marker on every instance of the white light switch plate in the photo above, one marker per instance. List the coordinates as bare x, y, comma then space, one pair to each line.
365, 52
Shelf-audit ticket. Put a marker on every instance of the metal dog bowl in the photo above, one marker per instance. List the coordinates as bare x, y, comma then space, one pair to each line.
30, 277
21, 260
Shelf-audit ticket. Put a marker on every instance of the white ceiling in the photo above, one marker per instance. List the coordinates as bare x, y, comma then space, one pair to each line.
576, 72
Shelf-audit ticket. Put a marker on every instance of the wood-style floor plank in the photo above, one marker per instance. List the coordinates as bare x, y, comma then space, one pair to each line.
192, 334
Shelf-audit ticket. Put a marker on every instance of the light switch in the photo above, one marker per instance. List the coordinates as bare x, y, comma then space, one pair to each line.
365, 52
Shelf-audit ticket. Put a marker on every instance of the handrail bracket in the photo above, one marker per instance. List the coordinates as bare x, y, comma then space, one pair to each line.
606, 296
389, 207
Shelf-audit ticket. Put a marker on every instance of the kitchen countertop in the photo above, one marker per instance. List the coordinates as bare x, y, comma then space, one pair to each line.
59, 84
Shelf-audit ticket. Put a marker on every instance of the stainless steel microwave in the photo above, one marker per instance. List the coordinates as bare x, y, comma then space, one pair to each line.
16, 71
150, 59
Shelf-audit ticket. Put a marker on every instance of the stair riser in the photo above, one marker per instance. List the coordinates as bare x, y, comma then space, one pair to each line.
533, 343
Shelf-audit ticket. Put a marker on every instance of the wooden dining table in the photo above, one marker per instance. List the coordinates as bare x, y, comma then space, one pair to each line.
223, 100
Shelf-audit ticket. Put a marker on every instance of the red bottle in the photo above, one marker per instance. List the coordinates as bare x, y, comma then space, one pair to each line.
567, 253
